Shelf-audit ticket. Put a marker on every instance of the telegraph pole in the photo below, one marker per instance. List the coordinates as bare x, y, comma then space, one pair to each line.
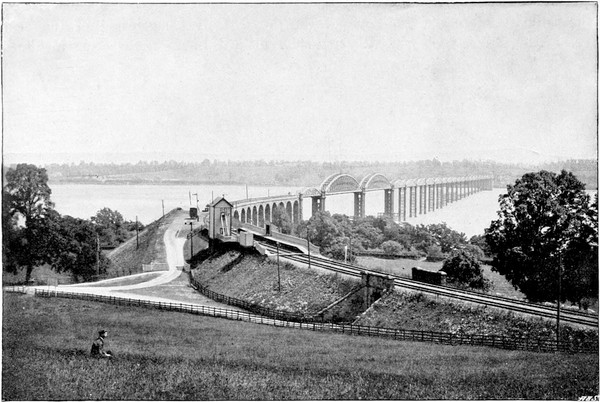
308, 247
191, 239
97, 255
346, 254
163, 206
137, 234
558, 302
278, 275
350, 249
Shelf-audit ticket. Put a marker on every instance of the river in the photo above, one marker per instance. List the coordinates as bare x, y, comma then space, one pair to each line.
146, 201
470, 215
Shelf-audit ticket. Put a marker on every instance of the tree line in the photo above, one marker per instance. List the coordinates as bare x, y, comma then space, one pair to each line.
34, 233
299, 173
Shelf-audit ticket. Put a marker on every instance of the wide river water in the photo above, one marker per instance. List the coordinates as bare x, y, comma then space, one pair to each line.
470, 215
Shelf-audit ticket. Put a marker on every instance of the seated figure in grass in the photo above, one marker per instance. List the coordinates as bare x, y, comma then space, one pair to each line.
98, 346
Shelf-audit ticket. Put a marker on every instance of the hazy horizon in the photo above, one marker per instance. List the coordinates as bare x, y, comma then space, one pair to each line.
124, 158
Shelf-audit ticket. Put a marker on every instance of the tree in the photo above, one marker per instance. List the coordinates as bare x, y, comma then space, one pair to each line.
368, 235
474, 250
448, 239
420, 237
74, 247
282, 220
322, 229
546, 228
463, 269
435, 253
25, 206
110, 226
479, 241
392, 247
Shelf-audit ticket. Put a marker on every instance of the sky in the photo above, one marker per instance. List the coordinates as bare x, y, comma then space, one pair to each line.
323, 82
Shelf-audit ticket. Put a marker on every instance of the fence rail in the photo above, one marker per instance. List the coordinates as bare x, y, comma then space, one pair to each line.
252, 307
15, 289
495, 341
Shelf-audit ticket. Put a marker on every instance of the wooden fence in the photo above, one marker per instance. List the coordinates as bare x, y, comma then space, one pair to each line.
528, 344
15, 289
252, 307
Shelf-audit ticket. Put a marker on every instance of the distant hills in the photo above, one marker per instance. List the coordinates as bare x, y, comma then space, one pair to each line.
302, 173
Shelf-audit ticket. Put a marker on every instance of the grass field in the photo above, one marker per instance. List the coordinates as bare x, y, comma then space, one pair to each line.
172, 356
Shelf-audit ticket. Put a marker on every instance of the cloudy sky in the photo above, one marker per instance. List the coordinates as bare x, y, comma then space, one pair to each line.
108, 82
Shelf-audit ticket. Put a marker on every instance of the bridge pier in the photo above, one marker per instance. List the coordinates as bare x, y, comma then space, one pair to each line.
402, 203
318, 204
454, 191
388, 202
299, 209
422, 198
412, 201
431, 196
359, 204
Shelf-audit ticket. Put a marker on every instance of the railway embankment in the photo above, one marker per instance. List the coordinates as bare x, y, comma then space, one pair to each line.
147, 248
254, 279
418, 311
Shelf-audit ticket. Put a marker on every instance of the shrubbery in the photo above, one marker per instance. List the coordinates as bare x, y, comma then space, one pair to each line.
435, 254
392, 247
464, 270
332, 233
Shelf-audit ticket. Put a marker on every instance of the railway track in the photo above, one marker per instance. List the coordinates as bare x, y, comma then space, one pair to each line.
575, 317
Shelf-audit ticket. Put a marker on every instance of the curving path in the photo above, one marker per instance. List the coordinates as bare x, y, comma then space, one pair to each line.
174, 256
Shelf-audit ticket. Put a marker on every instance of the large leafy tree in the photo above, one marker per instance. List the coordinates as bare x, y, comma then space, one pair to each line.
366, 233
331, 233
463, 269
35, 234
25, 206
110, 226
27, 192
547, 226
282, 220
74, 247
447, 238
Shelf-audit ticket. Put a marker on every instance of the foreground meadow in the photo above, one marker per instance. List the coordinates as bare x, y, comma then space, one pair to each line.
174, 356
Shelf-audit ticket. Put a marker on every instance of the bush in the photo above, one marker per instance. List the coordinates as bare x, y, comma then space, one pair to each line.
463, 269
434, 253
392, 247
474, 250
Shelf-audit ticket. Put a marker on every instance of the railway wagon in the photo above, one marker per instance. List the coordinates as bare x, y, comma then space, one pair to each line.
432, 277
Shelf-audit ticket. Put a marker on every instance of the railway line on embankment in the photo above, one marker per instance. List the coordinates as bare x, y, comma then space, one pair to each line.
519, 306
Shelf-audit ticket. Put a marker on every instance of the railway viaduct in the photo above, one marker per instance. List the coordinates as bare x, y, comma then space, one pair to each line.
414, 197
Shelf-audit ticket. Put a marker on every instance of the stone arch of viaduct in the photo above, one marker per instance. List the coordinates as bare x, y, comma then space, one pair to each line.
414, 196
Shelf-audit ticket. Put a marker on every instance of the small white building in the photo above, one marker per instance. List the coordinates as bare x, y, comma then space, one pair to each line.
219, 218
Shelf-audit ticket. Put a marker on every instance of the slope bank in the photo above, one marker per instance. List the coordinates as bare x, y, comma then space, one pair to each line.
254, 279
129, 257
